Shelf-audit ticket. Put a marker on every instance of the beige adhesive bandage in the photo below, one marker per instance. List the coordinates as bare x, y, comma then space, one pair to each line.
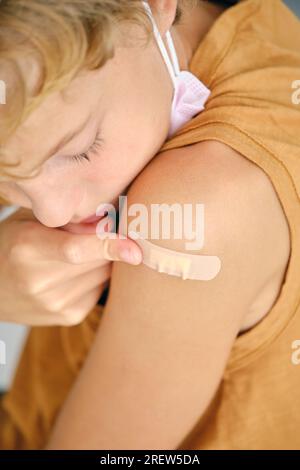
175, 263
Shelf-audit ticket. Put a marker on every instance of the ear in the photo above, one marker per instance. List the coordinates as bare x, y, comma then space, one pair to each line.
164, 12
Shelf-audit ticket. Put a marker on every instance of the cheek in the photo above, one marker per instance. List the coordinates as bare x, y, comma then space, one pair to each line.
109, 176
124, 165
116, 159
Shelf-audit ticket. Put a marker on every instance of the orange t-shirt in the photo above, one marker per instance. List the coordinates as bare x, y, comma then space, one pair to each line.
250, 59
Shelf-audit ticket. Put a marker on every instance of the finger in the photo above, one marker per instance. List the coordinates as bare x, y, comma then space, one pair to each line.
77, 312
81, 249
46, 275
55, 244
42, 243
69, 292
110, 246
101, 278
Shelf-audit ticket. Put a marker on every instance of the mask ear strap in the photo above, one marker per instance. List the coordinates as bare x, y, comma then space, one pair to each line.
171, 66
173, 52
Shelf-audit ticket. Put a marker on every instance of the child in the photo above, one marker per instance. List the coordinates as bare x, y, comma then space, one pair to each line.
172, 364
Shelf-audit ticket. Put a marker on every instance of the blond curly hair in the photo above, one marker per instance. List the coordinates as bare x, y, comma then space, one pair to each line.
64, 37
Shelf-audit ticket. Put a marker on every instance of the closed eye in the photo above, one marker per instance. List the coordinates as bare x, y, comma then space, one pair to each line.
96, 145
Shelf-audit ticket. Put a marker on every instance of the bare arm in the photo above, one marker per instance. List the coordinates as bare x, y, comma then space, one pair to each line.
163, 342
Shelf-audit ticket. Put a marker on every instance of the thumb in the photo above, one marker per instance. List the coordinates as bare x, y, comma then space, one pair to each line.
103, 246
116, 247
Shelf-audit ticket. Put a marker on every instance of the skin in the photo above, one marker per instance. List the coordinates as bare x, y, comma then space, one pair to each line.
56, 278
71, 191
145, 382
162, 344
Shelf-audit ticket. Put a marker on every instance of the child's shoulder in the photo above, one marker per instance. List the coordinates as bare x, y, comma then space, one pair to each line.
243, 218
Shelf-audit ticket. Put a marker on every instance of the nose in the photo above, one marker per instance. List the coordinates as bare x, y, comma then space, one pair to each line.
51, 215
53, 206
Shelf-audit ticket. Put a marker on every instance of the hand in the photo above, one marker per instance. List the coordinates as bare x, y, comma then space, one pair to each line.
49, 276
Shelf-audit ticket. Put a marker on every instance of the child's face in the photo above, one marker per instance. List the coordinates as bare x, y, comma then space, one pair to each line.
124, 108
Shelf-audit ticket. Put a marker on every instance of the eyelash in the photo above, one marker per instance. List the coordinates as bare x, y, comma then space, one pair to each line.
84, 157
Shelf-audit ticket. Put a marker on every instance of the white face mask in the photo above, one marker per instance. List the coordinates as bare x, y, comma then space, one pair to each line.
190, 94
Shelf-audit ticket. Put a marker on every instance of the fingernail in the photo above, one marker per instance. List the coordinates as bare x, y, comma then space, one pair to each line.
131, 257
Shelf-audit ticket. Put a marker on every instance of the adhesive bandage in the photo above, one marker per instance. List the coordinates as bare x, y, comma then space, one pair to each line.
176, 263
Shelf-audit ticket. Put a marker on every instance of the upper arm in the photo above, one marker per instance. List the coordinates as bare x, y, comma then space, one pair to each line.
163, 342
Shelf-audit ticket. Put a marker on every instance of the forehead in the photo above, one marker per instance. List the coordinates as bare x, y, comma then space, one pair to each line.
58, 115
